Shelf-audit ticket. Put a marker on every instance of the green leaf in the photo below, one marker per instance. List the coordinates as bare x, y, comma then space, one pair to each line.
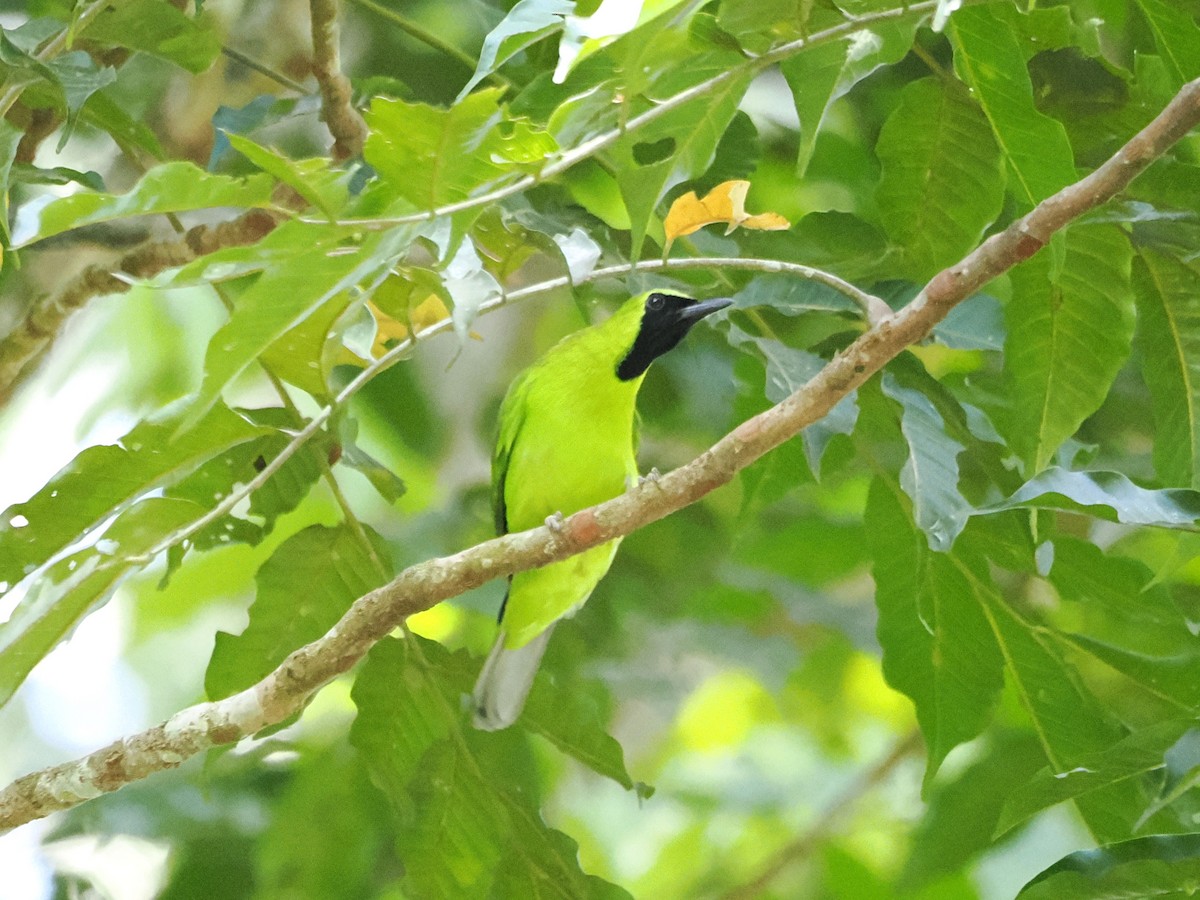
813, 77
569, 720
988, 57
74, 585
962, 814
1069, 332
171, 187
467, 825
930, 474
24, 173
787, 370
77, 76
975, 324
937, 645
821, 74
402, 710
525, 24
1168, 334
1119, 599
161, 29
942, 182
793, 296
675, 147
1067, 719
286, 295
302, 590
10, 138
1176, 36
389, 485
1131, 757
129, 133
312, 179
433, 157
1166, 867
1106, 495
103, 480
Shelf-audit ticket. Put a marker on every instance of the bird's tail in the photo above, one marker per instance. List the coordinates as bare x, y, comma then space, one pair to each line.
505, 680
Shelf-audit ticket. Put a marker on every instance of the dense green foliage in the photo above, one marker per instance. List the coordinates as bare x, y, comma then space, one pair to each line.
992, 543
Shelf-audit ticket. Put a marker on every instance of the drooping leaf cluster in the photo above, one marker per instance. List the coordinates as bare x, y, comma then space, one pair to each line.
992, 542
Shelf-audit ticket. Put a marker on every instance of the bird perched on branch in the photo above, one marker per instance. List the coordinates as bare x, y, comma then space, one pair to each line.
565, 443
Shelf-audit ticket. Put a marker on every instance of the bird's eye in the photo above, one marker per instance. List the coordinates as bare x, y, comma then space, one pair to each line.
656, 302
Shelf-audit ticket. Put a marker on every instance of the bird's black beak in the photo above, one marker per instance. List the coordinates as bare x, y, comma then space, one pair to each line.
697, 311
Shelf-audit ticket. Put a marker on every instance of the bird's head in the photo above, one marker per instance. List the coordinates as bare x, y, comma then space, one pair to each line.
653, 323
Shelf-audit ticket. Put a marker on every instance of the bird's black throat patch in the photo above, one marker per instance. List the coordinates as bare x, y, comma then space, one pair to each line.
664, 324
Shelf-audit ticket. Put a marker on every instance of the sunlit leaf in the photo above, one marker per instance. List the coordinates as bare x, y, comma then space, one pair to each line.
160, 29
171, 187
726, 203
102, 480
74, 585
285, 296
437, 156
312, 179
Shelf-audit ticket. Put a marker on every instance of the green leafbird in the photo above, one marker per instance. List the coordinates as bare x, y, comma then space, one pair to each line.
565, 443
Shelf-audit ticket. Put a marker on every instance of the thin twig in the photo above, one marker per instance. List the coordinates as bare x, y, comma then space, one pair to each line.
830, 820
603, 141
263, 69
343, 120
286, 689
412, 29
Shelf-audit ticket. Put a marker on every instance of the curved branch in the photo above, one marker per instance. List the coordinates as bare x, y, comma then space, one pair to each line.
803, 845
345, 124
285, 690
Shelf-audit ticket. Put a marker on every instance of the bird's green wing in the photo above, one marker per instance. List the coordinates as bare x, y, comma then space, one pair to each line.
509, 422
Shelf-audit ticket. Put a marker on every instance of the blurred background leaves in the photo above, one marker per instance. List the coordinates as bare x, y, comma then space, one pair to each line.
877, 665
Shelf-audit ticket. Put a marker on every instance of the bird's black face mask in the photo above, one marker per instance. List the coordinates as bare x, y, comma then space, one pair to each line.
664, 323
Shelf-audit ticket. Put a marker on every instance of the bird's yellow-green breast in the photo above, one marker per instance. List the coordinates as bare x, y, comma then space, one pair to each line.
566, 443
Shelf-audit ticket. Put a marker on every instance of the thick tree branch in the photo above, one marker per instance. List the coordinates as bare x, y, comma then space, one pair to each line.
345, 124
32, 336
417, 588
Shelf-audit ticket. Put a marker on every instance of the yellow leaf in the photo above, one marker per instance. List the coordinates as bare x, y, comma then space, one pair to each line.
428, 312
724, 203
